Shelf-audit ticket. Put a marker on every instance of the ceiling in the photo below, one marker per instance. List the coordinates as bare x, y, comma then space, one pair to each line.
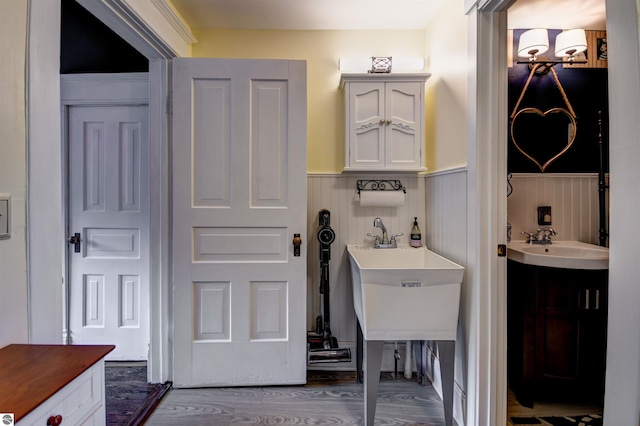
374, 14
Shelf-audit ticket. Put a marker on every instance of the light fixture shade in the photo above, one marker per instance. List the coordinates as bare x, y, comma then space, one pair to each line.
355, 64
571, 42
533, 42
365, 64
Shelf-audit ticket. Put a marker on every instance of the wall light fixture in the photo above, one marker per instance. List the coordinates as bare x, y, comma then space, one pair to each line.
380, 64
567, 45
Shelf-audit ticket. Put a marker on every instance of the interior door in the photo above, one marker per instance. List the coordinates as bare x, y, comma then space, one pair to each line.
239, 197
108, 226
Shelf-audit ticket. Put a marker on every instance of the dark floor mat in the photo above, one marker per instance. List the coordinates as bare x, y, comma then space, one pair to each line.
129, 398
583, 420
516, 421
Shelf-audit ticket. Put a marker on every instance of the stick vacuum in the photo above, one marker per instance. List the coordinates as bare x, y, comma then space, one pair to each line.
323, 347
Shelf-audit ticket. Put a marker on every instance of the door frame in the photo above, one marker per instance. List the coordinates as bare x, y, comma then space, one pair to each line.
92, 90
154, 30
166, 40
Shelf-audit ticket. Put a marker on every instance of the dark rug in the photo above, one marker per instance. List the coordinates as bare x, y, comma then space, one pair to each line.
129, 398
583, 420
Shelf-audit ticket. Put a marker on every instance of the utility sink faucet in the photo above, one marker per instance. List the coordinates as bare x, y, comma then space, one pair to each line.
385, 241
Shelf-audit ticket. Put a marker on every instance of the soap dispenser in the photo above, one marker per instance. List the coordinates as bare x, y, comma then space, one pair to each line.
416, 235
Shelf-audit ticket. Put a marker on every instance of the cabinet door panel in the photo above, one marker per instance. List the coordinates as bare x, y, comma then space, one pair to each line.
559, 335
404, 130
366, 124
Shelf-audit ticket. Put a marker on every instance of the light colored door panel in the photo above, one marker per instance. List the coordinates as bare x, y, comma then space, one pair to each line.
109, 208
239, 196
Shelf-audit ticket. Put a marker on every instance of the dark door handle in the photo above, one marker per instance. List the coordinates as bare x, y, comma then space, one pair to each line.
75, 240
297, 242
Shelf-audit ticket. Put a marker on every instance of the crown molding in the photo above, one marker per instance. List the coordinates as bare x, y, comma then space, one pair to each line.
175, 20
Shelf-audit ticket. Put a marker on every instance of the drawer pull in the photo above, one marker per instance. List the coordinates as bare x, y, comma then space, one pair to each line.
54, 420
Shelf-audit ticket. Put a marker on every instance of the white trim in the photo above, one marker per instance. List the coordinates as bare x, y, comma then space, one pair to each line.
160, 354
93, 89
175, 20
487, 390
44, 174
141, 25
622, 396
460, 169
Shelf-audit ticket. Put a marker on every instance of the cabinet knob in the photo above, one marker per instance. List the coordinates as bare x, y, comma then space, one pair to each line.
388, 121
382, 121
54, 420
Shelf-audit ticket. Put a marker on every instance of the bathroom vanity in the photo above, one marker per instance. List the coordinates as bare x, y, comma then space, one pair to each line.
557, 332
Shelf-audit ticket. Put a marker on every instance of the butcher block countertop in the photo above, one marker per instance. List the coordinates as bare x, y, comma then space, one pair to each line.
31, 374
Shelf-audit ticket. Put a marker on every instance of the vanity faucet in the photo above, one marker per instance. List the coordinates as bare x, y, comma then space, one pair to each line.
541, 236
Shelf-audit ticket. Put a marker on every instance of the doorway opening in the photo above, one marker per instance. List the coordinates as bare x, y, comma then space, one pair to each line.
557, 316
105, 93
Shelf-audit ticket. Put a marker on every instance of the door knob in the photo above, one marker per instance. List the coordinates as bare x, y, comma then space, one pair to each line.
297, 242
75, 240
54, 420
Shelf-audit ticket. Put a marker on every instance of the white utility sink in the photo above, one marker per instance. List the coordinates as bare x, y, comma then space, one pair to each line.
405, 293
560, 254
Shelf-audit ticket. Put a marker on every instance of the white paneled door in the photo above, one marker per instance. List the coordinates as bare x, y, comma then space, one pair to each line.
109, 211
239, 198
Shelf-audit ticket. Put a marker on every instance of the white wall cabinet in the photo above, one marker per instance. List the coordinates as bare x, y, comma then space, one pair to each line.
384, 125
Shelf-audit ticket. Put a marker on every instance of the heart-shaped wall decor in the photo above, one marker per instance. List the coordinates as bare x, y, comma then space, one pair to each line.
544, 159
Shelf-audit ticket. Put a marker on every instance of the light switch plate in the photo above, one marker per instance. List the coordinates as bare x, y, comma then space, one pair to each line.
5, 216
544, 215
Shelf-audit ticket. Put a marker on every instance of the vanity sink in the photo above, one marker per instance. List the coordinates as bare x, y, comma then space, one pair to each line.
560, 254
405, 293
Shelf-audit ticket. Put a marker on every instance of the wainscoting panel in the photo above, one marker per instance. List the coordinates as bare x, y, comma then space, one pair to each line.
573, 199
446, 230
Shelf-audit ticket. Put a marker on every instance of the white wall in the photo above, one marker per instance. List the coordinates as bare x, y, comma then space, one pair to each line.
13, 268
446, 91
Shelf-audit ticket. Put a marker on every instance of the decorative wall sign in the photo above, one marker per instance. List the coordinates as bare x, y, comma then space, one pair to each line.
596, 54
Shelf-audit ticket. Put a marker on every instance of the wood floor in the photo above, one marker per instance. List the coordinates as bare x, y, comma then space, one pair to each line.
328, 398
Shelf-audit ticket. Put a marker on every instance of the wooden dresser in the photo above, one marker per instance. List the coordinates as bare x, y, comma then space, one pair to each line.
53, 384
